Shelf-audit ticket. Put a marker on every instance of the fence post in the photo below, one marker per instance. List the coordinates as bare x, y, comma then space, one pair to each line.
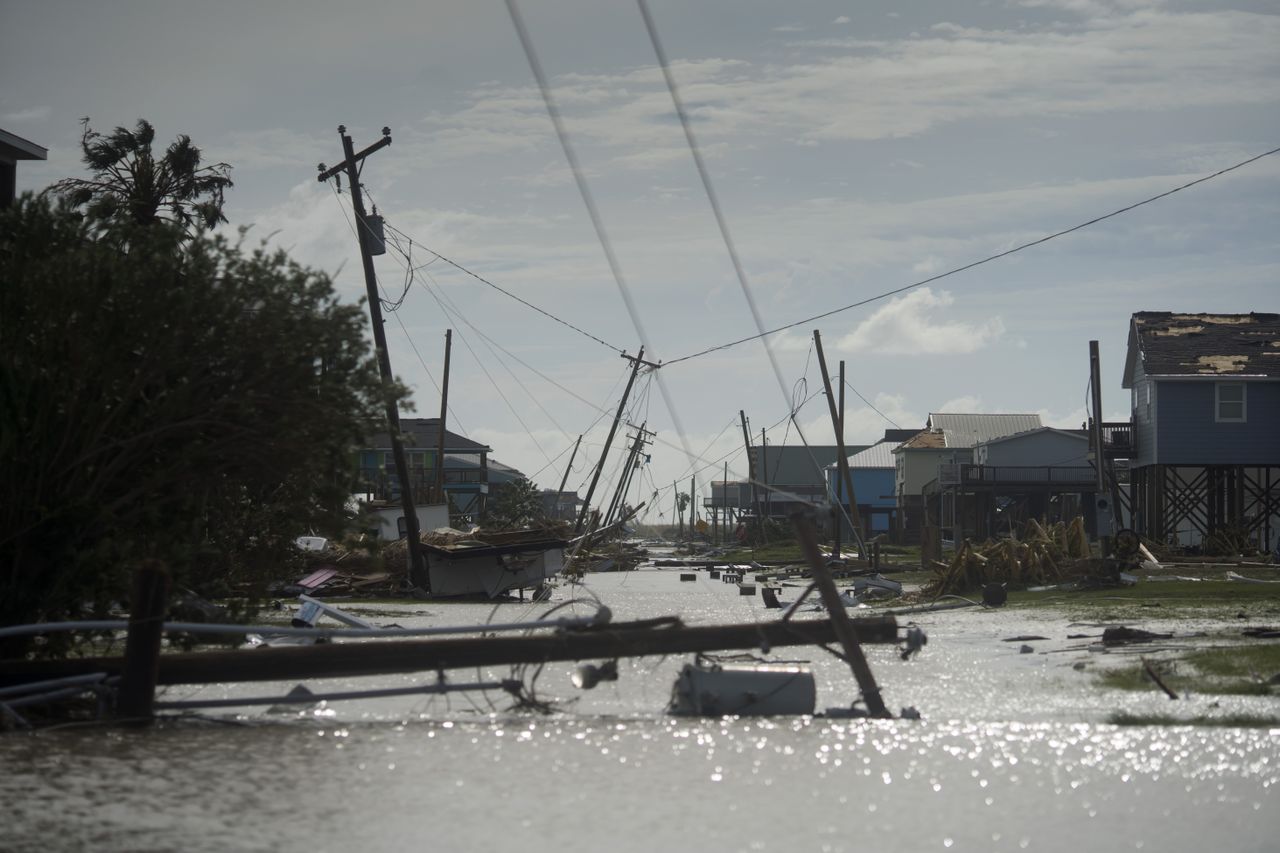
142, 647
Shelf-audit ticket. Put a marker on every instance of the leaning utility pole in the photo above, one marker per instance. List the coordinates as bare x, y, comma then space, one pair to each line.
351, 164
842, 463
444, 409
565, 478
636, 361
752, 474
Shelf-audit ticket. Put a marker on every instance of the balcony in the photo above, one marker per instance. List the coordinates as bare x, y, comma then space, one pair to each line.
383, 485
1118, 440
1063, 478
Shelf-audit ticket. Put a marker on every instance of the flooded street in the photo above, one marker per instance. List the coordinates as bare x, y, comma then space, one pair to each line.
1013, 753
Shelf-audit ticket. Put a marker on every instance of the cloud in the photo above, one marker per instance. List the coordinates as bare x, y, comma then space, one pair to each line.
843, 19
909, 325
26, 115
967, 404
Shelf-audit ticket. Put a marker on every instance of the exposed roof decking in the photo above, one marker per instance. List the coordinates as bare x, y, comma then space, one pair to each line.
1164, 343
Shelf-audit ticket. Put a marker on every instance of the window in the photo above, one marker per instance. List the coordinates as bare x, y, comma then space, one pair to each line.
1230, 401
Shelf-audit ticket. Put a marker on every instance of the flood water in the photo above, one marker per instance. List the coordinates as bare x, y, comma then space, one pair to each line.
1013, 753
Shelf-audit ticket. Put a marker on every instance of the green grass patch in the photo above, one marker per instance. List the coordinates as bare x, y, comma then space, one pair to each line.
1238, 670
1162, 599
1233, 721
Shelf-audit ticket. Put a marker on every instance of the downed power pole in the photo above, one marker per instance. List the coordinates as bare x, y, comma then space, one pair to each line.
346, 660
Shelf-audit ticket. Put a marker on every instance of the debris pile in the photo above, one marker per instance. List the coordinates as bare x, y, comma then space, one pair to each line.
1049, 554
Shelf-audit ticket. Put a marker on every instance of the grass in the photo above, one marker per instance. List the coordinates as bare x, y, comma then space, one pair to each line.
1172, 599
1234, 721
1237, 670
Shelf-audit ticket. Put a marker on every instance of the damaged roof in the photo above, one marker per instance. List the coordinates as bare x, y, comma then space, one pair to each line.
1165, 343
933, 438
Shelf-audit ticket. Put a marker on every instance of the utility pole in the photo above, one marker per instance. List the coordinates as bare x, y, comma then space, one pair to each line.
839, 522
628, 471
636, 361
567, 469
752, 474
693, 507
351, 164
444, 409
764, 465
1104, 514
842, 463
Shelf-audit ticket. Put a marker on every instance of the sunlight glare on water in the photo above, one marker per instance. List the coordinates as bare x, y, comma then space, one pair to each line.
1013, 754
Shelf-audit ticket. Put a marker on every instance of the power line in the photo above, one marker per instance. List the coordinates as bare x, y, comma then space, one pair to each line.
606, 245
872, 405
504, 291
979, 263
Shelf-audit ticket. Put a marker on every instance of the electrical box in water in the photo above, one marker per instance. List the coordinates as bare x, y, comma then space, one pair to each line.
749, 691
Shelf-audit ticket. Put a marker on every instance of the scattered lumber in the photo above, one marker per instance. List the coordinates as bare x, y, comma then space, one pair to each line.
1049, 554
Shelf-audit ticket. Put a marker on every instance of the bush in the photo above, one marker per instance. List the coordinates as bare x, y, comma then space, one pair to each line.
164, 397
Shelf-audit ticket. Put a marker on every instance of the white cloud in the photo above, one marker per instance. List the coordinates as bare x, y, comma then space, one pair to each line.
967, 404
910, 325
843, 19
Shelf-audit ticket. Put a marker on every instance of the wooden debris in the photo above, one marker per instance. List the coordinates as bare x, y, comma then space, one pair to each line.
1049, 554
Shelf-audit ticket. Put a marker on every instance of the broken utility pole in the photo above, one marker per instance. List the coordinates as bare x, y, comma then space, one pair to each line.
842, 462
636, 361
444, 410
752, 474
351, 164
565, 478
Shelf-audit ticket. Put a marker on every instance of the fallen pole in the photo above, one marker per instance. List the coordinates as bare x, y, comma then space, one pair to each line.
348, 660
845, 628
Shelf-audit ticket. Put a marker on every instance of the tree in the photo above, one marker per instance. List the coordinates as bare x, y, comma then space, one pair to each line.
130, 184
515, 504
182, 399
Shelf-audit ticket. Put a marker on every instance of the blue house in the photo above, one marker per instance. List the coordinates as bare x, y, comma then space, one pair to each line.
872, 471
1205, 426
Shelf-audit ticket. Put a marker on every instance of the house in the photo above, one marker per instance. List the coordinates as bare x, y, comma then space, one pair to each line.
466, 468
792, 477
1044, 473
872, 473
560, 506
927, 465
12, 149
1205, 397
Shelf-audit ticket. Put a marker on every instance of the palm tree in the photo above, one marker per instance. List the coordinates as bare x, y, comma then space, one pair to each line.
129, 184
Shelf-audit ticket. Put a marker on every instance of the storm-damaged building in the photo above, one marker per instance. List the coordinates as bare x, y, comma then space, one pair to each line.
1205, 426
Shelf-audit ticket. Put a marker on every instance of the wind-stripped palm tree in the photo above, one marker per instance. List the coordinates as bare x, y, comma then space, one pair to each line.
130, 184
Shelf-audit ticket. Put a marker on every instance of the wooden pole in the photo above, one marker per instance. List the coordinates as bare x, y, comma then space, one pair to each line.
386, 657
842, 463
753, 475
417, 569
140, 668
444, 410
567, 469
636, 361
846, 632
1095, 439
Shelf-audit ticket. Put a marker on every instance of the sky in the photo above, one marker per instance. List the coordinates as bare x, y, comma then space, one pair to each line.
855, 148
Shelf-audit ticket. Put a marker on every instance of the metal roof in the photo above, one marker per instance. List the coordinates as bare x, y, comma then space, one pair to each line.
425, 433
1169, 344
964, 430
876, 456
1069, 433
